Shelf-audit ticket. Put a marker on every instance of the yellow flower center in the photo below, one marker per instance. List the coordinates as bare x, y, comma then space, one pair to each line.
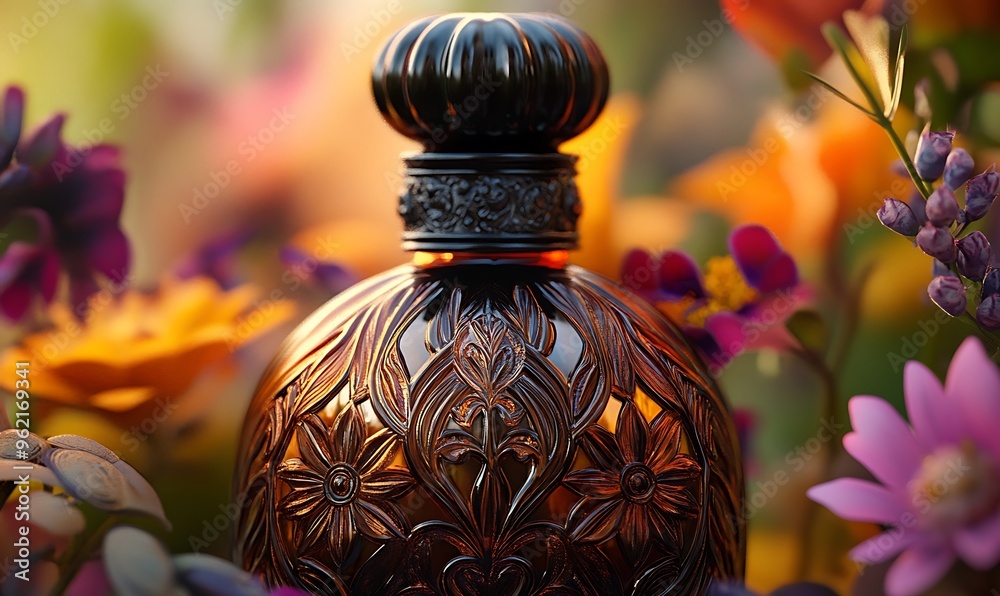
955, 486
725, 288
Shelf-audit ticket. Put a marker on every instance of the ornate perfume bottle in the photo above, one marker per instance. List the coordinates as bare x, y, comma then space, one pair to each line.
489, 419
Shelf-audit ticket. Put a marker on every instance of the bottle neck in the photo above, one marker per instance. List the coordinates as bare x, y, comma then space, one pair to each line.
552, 259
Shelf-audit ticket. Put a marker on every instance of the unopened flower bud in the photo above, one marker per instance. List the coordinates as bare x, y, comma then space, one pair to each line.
948, 293
974, 256
991, 283
938, 243
957, 168
932, 151
980, 192
988, 313
942, 207
898, 217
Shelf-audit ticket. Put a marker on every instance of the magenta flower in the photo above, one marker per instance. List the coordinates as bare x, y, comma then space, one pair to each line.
79, 193
741, 301
938, 477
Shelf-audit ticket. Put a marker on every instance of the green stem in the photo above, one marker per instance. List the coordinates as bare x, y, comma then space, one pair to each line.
911, 168
808, 531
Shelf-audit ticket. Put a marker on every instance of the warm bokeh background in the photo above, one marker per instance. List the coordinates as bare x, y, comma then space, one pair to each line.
278, 93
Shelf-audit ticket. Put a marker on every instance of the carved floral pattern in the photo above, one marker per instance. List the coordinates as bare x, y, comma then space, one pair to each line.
495, 414
641, 488
342, 484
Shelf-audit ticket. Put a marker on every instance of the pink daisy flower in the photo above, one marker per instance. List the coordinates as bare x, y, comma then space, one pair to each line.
938, 488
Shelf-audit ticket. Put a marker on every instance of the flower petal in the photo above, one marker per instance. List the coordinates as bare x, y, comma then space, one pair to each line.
886, 545
634, 535
377, 521
679, 276
859, 500
311, 437
936, 420
592, 523
918, 569
974, 383
633, 433
730, 333
593, 483
761, 260
639, 271
602, 448
387, 484
342, 532
882, 442
979, 545
347, 436
666, 436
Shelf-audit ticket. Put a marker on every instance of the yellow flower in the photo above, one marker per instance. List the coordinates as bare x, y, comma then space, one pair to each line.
140, 347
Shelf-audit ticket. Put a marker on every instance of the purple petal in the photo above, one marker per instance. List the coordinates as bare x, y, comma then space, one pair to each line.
107, 253
729, 331
991, 283
41, 148
639, 270
932, 152
979, 545
980, 193
938, 243
886, 545
854, 499
10, 126
881, 441
974, 254
679, 276
898, 217
957, 168
974, 383
949, 294
942, 207
935, 419
761, 260
918, 569
988, 313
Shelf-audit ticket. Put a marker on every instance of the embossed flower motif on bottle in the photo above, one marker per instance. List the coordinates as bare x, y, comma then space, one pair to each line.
641, 487
342, 484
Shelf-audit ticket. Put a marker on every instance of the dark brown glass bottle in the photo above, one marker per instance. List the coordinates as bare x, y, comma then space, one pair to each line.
489, 419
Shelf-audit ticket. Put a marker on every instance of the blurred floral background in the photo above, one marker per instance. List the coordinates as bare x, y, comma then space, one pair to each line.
192, 178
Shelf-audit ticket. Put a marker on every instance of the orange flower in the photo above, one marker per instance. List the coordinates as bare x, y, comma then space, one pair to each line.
141, 347
783, 28
805, 181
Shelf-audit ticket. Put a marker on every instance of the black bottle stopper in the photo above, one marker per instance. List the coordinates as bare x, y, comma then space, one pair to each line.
490, 97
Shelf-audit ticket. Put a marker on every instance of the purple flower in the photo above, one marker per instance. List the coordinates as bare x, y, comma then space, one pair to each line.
938, 269
938, 478
898, 217
27, 269
724, 310
938, 243
942, 207
974, 256
80, 194
980, 193
932, 152
991, 283
957, 168
948, 293
988, 313
216, 259
326, 275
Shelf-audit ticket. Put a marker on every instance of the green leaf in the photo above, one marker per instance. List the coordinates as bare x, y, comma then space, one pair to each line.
839, 94
871, 36
897, 84
810, 330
